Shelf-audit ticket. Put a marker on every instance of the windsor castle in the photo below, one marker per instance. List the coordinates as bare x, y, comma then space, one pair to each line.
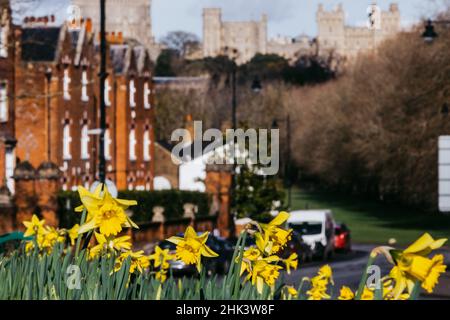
251, 37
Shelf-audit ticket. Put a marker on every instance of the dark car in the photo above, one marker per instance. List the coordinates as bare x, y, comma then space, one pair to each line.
342, 238
298, 246
218, 265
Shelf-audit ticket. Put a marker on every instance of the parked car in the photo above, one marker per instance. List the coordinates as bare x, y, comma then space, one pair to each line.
317, 230
218, 265
299, 246
342, 238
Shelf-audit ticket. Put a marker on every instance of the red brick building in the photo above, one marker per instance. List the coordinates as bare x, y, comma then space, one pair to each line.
56, 72
7, 82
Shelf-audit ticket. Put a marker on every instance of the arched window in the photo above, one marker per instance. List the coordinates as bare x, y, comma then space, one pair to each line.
67, 139
146, 145
108, 142
132, 144
66, 84
132, 94
107, 90
147, 92
84, 142
4, 101
84, 83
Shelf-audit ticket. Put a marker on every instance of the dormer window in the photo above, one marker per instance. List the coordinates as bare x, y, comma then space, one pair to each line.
107, 90
147, 92
85, 142
4, 101
67, 140
108, 142
132, 94
132, 144
66, 84
84, 84
146, 144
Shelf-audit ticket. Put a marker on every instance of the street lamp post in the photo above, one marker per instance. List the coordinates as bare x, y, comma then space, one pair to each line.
430, 33
48, 76
102, 76
287, 165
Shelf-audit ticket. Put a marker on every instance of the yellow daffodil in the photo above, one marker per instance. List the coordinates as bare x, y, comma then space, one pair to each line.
291, 262
412, 265
262, 271
274, 238
73, 234
191, 247
326, 272
139, 261
319, 284
161, 275
109, 245
161, 258
367, 294
291, 292
346, 294
33, 226
105, 212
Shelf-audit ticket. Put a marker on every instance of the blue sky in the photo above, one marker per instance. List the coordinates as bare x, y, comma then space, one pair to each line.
286, 17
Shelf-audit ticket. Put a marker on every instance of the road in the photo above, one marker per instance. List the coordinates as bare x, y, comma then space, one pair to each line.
347, 270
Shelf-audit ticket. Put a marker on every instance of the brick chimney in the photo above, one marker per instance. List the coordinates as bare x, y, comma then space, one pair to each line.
47, 187
25, 197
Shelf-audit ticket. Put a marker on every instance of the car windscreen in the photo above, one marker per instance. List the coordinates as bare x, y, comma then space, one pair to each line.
307, 228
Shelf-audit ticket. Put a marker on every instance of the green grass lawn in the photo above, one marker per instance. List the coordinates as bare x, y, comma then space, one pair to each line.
374, 222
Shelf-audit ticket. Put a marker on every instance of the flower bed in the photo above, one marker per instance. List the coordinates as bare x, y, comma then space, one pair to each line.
94, 260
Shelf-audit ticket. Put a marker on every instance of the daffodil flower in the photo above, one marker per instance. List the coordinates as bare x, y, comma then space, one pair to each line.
33, 226
104, 212
412, 265
346, 294
73, 234
291, 262
161, 258
109, 245
139, 261
191, 247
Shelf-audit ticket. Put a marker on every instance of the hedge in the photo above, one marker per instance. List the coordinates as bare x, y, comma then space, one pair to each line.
171, 200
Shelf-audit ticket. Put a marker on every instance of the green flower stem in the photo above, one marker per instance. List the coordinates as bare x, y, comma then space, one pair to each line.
237, 273
362, 283
77, 248
416, 291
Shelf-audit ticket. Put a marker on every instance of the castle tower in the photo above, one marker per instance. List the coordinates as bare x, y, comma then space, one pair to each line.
132, 18
331, 29
263, 35
212, 32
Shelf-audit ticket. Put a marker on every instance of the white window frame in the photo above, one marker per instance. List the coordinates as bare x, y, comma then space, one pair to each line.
67, 140
146, 145
85, 139
108, 142
4, 31
132, 144
147, 92
132, 89
66, 84
4, 101
10, 164
84, 84
107, 90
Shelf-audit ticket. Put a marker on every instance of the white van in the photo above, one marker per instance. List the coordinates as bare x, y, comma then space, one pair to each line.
317, 230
